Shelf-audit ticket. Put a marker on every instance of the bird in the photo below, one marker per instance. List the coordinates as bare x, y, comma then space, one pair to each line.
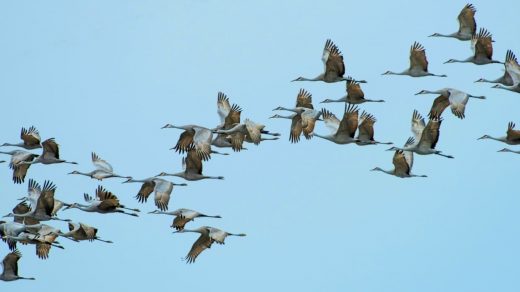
192, 165
509, 150
403, 163
342, 132
513, 69
103, 169
208, 235
506, 78
229, 117
81, 231
426, 137
467, 24
13, 229
454, 98
355, 95
481, 44
305, 116
418, 63
105, 202
183, 216
42, 242
194, 138
366, 130
512, 136
30, 137
10, 267
48, 234
50, 154
248, 131
162, 190
19, 170
334, 65
42, 202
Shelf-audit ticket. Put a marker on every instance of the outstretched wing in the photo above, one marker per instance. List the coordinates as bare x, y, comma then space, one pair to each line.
418, 57
101, 164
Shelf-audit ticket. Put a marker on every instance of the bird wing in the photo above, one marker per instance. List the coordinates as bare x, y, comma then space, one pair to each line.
10, 263
223, 106
334, 66
102, 194
202, 243
233, 117
438, 106
217, 235
145, 191
349, 123
418, 57
512, 67
401, 166
20, 208
20, 170
304, 99
330, 120
162, 197
50, 149
512, 135
43, 248
354, 91
458, 101
253, 131
483, 44
296, 128
237, 140
193, 163
46, 200
366, 127
308, 122
417, 125
467, 24
108, 205
185, 142
87, 231
430, 135
179, 222
202, 141
30, 137
101, 164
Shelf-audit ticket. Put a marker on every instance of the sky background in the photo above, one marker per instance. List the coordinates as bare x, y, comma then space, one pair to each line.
105, 76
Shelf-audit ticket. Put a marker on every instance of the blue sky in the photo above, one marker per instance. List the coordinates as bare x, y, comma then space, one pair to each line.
105, 77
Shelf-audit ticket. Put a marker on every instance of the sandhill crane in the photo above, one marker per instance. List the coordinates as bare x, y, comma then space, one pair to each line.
31, 139
162, 189
248, 131
10, 267
50, 155
334, 66
19, 170
194, 138
482, 46
366, 130
513, 69
13, 229
403, 163
229, 116
355, 95
103, 169
509, 150
42, 202
467, 24
208, 235
342, 132
454, 98
43, 242
183, 216
81, 231
512, 136
48, 235
305, 116
192, 165
426, 137
418, 63
105, 202
505, 79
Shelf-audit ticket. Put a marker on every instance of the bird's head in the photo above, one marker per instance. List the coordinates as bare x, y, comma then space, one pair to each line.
162, 174
422, 92
480, 80
277, 116
298, 79
129, 179
376, 169
434, 35
504, 150
392, 149
182, 185
278, 108
495, 86
387, 73
70, 206
154, 212
450, 61
74, 172
220, 177
167, 126
484, 137
328, 100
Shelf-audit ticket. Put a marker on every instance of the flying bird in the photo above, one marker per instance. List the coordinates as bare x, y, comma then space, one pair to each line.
366, 130
103, 169
81, 232
418, 63
403, 163
229, 117
192, 165
30, 137
467, 24
183, 216
506, 78
194, 138
50, 154
509, 150
513, 70
19, 170
248, 131
161, 188
334, 65
105, 202
481, 44
512, 136
342, 132
10, 267
451, 97
355, 95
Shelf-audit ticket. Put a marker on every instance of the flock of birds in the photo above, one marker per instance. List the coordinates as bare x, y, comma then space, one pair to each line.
196, 144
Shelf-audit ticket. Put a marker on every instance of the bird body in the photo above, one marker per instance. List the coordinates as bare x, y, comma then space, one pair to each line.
81, 232
30, 137
161, 188
103, 169
467, 24
183, 216
481, 44
105, 202
19, 169
454, 98
342, 132
10, 267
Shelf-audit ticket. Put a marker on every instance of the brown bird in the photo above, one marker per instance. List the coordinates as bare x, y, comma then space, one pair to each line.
355, 95
183, 216
105, 202
10, 264
467, 24
512, 137
366, 130
481, 44
334, 65
19, 170
192, 165
162, 189
50, 154
418, 63
229, 117
31, 139
81, 231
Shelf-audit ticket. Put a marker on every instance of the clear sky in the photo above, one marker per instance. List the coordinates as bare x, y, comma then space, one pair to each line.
104, 76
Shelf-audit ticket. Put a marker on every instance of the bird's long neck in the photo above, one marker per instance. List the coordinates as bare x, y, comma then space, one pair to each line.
452, 35
212, 177
390, 172
279, 117
474, 96
84, 173
405, 72
501, 139
264, 139
437, 75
